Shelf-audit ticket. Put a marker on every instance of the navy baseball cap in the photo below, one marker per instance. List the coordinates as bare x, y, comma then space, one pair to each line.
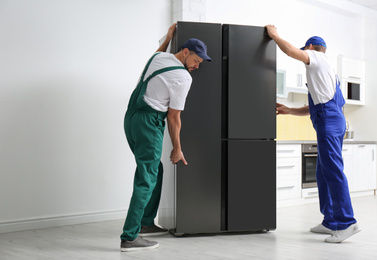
198, 47
315, 40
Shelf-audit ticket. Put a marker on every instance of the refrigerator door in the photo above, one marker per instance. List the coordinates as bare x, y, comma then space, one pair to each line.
250, 83
198, 185
251, 188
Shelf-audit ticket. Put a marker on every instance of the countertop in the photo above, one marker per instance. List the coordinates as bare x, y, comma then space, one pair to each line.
346, 141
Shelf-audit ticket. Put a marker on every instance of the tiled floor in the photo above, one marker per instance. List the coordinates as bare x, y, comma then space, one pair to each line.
291, 240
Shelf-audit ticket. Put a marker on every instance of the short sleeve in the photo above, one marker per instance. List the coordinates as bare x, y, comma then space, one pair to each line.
312, 59
178, 92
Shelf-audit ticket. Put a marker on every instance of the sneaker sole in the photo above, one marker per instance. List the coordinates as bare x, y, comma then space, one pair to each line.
153, 234
357, 230
322, 232
138, 248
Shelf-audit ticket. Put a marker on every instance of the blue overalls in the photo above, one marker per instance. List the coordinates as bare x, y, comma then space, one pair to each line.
144, 128
334, 198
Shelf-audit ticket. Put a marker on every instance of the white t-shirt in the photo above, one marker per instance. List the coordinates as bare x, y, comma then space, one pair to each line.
321, 77
170, 88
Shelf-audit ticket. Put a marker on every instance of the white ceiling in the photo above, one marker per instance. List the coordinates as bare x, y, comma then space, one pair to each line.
368, 3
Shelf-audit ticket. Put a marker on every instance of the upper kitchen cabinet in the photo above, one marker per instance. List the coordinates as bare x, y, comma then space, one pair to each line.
291, 76
352, 80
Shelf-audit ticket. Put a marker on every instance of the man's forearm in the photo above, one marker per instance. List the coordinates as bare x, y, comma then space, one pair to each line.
301, 111
163, 47
169, 36
285, 46
174, 127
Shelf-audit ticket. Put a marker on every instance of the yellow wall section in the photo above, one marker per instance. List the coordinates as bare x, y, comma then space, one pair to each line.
290, 127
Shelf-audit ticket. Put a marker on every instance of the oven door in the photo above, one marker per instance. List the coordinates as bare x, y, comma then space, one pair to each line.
309, 165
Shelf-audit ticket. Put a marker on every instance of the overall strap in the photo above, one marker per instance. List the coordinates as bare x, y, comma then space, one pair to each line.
147, 66
138, 101
337, 80
162, 71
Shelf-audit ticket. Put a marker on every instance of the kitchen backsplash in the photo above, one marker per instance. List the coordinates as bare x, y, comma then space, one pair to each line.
290, 127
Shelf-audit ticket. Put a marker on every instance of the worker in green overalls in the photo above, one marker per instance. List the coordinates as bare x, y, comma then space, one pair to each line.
161, 93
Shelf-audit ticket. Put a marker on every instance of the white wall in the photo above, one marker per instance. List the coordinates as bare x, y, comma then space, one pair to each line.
67, 71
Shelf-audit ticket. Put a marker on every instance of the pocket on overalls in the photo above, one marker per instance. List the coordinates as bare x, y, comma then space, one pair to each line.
158, 122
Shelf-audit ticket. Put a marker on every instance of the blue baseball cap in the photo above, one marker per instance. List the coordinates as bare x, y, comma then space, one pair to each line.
198, 47
315, 40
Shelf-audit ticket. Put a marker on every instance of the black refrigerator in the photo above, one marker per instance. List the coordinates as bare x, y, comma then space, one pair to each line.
227, 136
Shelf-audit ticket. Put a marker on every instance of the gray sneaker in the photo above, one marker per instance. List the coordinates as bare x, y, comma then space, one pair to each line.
138, 244
153, 231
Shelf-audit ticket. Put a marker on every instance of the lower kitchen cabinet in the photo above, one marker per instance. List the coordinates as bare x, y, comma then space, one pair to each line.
359, 166
363, 177
288, 169
347, 153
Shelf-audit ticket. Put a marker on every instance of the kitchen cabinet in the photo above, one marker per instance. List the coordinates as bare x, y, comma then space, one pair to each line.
291, 76
347, 153
359, 167
288, 169
352, 79
280, 84
363, 167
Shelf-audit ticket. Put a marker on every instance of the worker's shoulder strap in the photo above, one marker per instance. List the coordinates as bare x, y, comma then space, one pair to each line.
147, 66
164, 70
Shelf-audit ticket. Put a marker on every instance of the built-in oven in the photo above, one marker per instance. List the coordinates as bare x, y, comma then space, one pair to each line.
309, 165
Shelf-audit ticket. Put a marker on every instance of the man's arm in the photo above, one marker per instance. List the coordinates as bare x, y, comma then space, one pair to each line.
283, 110
174, 127
286, 47
168, 38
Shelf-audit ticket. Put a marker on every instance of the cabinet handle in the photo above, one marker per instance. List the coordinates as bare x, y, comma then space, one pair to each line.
313, 193
285, 187
286, 166
311, 155
362, 145
285, 151
373, 155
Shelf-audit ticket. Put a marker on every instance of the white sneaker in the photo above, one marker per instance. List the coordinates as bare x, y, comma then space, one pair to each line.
340, 235
321, 229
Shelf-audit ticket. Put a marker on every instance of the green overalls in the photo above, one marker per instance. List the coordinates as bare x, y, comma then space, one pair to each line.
144, 128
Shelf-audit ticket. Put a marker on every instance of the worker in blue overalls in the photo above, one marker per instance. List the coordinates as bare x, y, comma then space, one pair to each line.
325, 109
161, 93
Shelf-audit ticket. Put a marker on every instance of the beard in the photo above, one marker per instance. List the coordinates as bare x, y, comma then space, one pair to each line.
189, 69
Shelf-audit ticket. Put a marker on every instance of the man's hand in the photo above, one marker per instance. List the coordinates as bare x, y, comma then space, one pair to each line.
281, 109
171, 32
168, 38
286, 47
272, 31
174, 127
176, 156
